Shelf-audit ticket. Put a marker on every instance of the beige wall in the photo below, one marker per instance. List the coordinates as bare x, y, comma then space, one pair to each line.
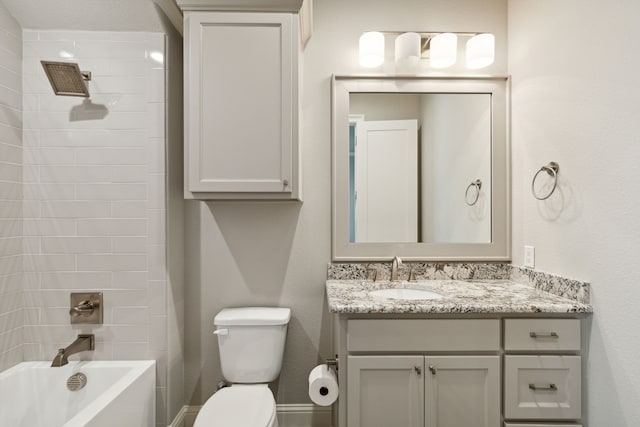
275, 253
576, 100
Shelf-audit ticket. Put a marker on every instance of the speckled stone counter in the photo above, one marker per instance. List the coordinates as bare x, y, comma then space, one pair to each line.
459, 296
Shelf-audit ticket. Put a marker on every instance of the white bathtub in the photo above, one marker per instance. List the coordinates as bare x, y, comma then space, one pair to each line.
117, 394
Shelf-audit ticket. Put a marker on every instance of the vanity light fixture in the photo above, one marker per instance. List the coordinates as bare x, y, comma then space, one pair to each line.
371, 49
441, 49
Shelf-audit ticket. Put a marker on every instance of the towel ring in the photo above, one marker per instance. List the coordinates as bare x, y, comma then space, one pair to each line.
478, 185
552, 169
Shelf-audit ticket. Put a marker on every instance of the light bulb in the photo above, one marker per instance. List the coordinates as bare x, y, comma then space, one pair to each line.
371, 49
407, 51
481, 51
444, 50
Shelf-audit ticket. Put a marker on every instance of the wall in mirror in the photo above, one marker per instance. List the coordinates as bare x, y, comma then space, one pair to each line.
420, 168
415, 159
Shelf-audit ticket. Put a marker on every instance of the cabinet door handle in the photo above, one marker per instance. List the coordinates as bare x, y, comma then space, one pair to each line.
432, 369
535, 387
539, 335
418, 370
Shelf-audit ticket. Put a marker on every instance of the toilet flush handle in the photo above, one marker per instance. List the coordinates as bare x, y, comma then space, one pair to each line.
221, 332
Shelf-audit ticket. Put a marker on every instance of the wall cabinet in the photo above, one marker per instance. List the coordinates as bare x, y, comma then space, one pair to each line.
241, 105
434, 372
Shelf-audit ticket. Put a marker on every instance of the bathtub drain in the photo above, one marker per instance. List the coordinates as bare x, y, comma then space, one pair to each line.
77, 381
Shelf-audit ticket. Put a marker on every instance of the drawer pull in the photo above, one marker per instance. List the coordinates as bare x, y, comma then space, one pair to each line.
539, 335
432, 369
535, 387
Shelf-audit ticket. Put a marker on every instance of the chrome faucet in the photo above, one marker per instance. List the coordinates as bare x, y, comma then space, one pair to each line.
82, 343
397, 262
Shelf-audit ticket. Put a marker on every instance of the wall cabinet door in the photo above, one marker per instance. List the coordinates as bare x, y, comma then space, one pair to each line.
385, 391
241, 78
462, 391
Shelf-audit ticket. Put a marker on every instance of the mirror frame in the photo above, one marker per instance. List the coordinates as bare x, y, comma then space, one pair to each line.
499, 249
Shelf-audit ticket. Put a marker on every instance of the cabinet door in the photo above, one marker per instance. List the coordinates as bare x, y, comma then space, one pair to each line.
385, 391
462, 391
241, 91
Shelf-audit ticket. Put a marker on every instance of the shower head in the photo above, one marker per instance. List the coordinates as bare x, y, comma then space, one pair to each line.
66, 78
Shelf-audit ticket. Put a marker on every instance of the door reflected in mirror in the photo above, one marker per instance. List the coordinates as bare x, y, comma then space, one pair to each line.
420, 167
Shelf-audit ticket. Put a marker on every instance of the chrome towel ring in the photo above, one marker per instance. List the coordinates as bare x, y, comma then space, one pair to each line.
552, 168
478, 185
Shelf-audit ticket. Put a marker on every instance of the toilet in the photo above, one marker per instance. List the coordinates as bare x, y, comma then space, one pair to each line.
251, 342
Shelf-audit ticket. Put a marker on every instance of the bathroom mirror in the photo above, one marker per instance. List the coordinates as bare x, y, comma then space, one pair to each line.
420, 169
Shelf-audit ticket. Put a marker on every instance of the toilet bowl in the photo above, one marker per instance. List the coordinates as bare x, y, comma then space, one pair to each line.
239, 406
251, 342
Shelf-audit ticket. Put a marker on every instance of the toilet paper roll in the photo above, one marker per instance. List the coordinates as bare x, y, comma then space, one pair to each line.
323, 385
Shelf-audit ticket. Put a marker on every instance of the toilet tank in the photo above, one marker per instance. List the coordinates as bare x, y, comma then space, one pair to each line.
251, 342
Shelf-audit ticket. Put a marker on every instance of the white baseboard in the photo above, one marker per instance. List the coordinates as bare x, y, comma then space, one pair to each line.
293, 415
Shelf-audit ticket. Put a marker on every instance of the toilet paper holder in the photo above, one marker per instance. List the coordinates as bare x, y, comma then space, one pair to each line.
332, 363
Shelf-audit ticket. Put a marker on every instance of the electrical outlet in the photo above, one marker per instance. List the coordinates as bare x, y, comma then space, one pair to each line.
529, 256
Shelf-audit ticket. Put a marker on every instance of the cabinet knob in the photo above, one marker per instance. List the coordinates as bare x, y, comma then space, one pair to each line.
285, 182
432, 369
418, 370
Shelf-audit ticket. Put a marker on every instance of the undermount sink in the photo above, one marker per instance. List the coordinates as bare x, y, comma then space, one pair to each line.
406, 294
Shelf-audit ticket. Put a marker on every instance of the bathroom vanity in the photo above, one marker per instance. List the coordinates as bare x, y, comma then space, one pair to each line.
474, 353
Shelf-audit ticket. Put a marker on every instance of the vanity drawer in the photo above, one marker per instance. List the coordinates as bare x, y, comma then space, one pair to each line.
542, 387
542, 335
423, 335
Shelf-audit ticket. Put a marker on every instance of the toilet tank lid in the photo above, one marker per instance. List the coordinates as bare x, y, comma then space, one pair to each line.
245, 316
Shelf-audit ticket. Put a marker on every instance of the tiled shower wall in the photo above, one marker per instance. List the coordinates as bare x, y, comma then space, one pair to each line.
94, 197
11, 315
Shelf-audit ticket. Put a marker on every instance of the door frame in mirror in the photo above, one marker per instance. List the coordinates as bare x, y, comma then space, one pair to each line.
499, 249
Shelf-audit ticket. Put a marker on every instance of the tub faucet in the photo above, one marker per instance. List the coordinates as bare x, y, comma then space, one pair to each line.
397, 262
82, 343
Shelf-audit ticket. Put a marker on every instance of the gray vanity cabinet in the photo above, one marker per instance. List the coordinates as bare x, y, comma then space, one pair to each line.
398, 373
416, 391
386, 391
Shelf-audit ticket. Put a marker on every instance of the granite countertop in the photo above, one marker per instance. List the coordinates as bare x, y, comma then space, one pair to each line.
459, 296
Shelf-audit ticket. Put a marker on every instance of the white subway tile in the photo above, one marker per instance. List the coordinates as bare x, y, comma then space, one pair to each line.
157, 297
130, 245
155, 120
128, 209
37, 191
130, 174
93, 138
10, 247
31, 173
31, 244
111, 191
39, 263
76, 245
130, 315
108, 262
49, 156
73, 174
127, 280
10, 228
10, 153
157, 262
112, 227
76, 209
13, 136
49, 227
10, 209
11, 265
157, 226
130, 351
75, 280
31, 209
158, 333
111, 156
10, 190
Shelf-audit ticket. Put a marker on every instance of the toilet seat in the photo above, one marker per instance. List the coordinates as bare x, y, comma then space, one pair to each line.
239, 406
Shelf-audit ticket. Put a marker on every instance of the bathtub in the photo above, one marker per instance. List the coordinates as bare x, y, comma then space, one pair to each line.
117, 393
